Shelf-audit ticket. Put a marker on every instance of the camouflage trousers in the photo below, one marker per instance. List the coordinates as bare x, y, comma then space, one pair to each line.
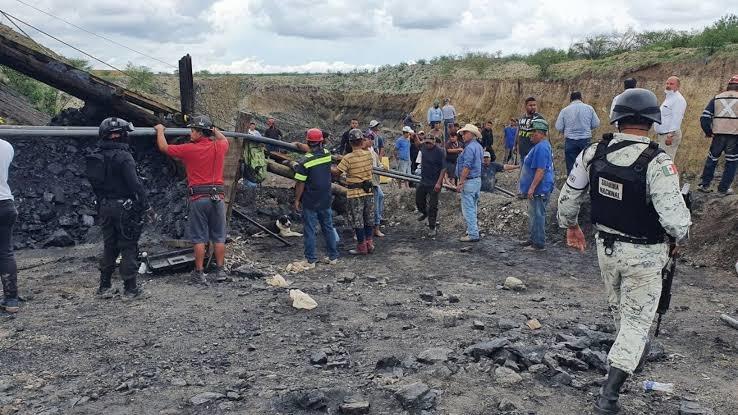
632, 277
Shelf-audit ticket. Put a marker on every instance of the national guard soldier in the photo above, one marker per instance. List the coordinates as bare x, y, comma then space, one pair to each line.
719, 120
121, 202
636, 204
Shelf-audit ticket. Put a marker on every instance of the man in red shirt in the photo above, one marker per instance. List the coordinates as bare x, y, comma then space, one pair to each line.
203, 159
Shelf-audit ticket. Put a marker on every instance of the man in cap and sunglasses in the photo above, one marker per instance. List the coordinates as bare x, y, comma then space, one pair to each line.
432, 173
203, 158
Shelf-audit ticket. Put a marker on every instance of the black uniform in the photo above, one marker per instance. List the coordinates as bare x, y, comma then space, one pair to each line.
121, 203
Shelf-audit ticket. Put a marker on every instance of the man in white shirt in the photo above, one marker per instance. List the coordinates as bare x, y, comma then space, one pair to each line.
669, 132
8, 216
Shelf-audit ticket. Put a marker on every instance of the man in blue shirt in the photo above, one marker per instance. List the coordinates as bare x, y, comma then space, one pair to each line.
537, 181
435, 114
449, 116
313, 194
469, 172
402, 145
576, 123
511, 132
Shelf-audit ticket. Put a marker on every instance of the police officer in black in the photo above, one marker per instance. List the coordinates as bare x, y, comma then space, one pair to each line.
122, 203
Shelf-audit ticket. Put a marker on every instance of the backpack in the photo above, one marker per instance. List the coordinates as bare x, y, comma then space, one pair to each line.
255, 163
96, 170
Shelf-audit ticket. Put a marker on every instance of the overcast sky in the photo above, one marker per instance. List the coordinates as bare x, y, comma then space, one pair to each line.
256, 36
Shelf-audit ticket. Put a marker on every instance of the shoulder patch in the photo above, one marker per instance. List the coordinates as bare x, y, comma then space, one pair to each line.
669, 170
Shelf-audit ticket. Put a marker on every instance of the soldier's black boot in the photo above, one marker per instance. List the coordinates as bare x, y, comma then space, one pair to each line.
10, 291
105, 290
607, 402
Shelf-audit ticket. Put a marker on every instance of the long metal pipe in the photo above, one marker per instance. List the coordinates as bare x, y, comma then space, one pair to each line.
66, 131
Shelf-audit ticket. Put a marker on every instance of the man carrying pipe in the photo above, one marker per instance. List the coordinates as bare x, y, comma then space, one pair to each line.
203, 159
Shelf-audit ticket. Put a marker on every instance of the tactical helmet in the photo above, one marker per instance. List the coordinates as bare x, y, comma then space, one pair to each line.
201, 122
355, 134
314, 135
114, 125
636, 102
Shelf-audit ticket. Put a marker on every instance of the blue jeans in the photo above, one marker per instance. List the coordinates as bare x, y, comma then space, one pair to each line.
469, 202
572, 148
721, 143
378, 205
446, 124
537, 219
311, 219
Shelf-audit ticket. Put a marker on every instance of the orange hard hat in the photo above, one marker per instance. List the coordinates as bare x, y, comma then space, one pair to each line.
315, 135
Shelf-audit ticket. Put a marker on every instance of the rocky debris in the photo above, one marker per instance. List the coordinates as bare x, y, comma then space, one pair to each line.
346, 277
478, 325
507, 405
561, 377
534, 324
434, 355
515, 284
248, 271
505, 324
693, 408
388, 362
60, 238
595, 359
487, 348
178, 382
507, 376
417, 396
318, 358
6, 384
656, 353
313, 400
205, 397
427, 297
354, 408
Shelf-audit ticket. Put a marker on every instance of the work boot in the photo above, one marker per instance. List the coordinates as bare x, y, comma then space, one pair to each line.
726, 193
704, 189
432, 233
105, 290
644, 357
329, 261
422, 217
378, 233
130, 289
370, 245
10, 290
198, 278
607, 402
361, 249
219, 273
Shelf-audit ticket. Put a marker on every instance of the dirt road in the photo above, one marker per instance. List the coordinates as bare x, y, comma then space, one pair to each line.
404, 315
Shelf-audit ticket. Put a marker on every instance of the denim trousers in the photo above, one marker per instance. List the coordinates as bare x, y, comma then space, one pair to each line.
721, 143
537, 219
324, 218
572, 148
469, 202
378, 205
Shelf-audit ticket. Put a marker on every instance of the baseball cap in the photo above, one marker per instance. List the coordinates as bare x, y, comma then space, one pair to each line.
407, 129
486, 154
373, 123
539, 124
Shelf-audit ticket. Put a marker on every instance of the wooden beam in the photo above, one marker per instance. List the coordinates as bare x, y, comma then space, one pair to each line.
232, 162
186, 85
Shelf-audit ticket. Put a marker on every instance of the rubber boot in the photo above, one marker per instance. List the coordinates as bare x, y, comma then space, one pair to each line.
644, 357
10, 290
370, 245
607, 402
361, 249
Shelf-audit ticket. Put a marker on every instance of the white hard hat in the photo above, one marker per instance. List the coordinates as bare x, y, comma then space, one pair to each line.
407, 129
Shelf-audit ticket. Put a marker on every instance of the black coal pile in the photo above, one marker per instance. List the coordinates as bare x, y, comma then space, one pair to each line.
56, 203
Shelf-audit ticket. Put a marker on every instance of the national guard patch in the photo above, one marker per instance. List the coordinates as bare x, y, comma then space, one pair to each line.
669, 170
610, 189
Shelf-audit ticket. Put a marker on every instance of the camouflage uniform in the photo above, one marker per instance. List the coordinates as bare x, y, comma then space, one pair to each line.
632, 273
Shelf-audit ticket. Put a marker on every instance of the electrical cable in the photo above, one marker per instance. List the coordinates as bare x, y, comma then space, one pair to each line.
95, 34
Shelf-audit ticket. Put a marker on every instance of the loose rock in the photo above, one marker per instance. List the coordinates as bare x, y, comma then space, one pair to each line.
354, 408
205, 397
416, 396
433, 355
515, 284
507, 376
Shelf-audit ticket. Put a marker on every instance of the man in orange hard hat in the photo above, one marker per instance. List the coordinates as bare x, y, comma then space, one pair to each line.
313, 197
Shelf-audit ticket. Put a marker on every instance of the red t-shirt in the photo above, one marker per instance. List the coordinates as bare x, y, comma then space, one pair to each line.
203, 160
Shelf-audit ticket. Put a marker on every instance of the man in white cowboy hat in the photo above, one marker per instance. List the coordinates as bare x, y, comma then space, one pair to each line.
469, 172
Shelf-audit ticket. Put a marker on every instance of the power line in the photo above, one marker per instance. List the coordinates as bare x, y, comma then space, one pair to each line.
85, 53
16, 26
95, 34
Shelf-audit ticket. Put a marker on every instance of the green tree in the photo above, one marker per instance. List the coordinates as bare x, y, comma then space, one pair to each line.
544, 58
142, 79
43, 97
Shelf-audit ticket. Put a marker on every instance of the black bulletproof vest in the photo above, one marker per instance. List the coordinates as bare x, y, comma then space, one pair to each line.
619, 193
117, 158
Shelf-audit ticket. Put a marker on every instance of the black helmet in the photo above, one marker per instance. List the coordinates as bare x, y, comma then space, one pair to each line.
355, 134
201, 122
115, 125
636, 102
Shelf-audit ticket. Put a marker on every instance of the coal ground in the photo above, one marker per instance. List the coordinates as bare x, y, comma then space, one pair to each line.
399, 330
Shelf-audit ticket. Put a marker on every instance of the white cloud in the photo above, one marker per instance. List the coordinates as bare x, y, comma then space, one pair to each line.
255, 66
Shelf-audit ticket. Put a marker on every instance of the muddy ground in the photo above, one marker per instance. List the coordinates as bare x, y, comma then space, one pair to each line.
377, 317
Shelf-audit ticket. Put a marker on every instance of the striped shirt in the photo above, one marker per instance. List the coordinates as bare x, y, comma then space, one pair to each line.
357, 166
